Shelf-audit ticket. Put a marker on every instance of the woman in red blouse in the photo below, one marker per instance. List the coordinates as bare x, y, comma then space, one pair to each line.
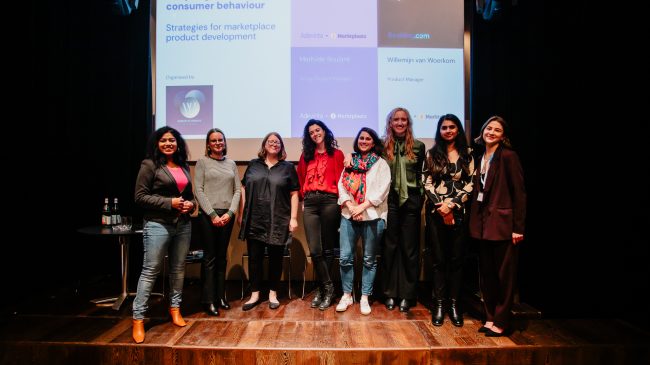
319, 169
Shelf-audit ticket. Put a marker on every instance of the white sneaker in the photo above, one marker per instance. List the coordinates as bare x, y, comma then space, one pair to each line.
365, 307
344, 303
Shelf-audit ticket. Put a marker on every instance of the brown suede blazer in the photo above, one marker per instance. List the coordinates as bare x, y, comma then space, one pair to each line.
503, 209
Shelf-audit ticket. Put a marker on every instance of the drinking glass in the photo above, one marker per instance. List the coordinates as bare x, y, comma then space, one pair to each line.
127, 223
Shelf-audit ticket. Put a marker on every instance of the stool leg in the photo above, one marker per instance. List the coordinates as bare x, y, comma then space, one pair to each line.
242, 277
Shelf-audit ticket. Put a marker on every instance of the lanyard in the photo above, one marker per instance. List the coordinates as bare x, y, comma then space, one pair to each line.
485, 167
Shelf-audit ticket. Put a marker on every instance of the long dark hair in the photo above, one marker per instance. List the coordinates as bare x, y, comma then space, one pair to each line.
180, 157
309, 146
437, 159
378, 148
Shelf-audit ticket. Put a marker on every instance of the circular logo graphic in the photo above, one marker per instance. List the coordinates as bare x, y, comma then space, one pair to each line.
191, 104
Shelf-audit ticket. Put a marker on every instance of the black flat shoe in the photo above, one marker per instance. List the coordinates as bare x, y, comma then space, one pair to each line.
490, 333
390, 304
211, 309
274, 305
404, 306
483, 329
223, 304
249, 306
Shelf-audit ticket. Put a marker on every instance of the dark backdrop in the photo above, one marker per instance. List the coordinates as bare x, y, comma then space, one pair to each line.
547, 69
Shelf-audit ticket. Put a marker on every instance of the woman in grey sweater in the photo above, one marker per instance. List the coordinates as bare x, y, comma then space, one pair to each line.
217, 185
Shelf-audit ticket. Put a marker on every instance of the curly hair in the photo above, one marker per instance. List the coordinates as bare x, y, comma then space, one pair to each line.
309, 146
180, 156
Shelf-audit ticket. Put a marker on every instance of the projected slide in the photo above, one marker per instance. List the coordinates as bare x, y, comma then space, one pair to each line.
250, 67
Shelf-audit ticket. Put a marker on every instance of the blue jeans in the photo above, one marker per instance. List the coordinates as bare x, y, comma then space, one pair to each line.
370, 232
159, 239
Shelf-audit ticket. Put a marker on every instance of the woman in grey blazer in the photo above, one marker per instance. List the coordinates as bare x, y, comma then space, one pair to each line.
164, 190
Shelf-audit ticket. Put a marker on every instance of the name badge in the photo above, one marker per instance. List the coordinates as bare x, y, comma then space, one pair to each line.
479, 198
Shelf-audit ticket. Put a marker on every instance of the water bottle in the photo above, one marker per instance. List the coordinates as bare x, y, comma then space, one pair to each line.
106, 214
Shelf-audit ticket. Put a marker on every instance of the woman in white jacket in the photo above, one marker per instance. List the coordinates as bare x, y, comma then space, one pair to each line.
363, 192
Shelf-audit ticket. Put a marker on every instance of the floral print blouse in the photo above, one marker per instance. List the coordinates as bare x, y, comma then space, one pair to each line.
452, 184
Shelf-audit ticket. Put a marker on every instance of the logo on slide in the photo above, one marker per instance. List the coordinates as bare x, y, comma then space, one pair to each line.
189, 108
191, 104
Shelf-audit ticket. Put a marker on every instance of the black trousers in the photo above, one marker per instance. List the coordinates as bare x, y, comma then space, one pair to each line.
448, 250
322, 218
498, 277
400, 259
256, 264
215, 257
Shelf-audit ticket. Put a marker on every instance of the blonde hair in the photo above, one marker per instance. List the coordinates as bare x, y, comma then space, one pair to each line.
389, 138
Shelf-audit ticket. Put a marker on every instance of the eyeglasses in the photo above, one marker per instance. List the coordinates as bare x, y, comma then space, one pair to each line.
273, 143
215, 141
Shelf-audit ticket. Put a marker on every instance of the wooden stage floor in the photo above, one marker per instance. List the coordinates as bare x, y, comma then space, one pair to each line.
66, 329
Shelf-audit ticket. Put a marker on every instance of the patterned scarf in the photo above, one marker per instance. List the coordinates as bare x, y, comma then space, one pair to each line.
354, 177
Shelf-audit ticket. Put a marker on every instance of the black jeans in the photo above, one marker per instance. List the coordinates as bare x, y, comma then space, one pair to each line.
215, 257
322, 217
256, 264
448, 250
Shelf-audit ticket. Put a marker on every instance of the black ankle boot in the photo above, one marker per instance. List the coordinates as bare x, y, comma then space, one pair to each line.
318, 298
438, 314
455, 315
328, 296
211, 309
224, 304
221, 290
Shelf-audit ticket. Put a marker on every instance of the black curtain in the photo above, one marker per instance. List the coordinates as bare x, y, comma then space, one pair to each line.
558, 74
91, 70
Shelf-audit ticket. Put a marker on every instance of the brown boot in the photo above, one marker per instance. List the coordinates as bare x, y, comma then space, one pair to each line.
138, 330
177, 319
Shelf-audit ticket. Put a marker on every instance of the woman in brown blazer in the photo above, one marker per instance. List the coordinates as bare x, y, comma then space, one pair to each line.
497, 220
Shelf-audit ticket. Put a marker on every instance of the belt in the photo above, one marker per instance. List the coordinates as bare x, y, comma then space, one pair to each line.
318, 192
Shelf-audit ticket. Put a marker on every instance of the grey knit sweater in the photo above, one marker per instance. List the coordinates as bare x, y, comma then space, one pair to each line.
217, 185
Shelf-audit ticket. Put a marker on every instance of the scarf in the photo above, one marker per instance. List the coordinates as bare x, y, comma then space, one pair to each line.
354, 177
399, 172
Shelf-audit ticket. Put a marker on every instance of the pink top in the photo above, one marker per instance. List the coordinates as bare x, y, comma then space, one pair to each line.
179, 176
